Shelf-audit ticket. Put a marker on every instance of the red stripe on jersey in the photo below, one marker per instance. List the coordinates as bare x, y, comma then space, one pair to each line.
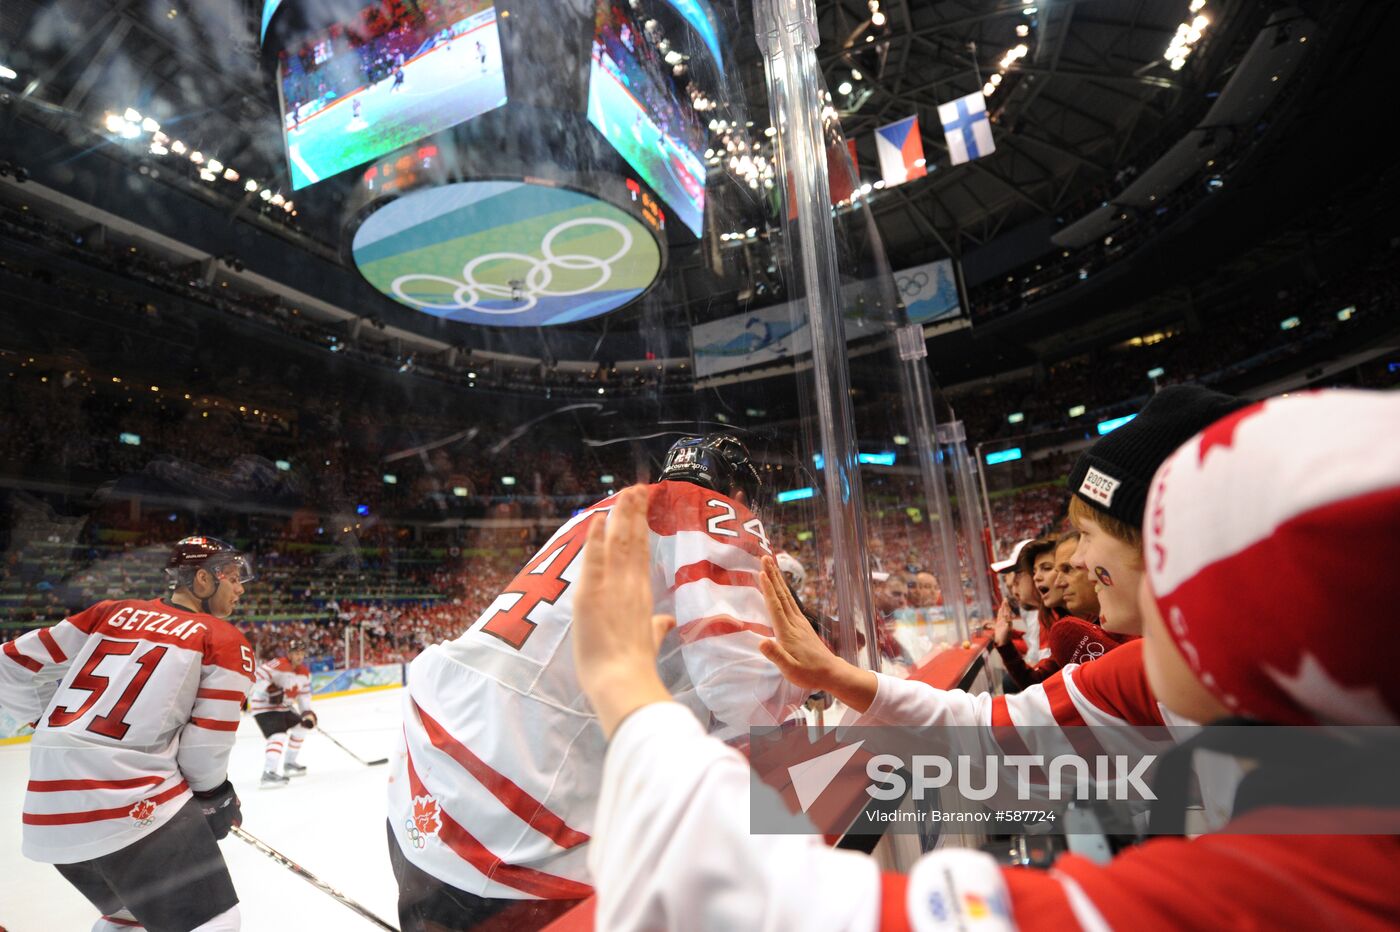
29, 663
98, 815
215, 724
61, 786
894, 903
234, 695
528, 809
1117, 684
704, 569
466, 847
132, 923
1061, 705
1076, 730
55, 651
713, 626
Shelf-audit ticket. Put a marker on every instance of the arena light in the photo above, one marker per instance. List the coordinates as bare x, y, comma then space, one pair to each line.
1003, 456
1156, 373
177, 147
114, 123
1077, 411
230, 175
1289, 323
131, 116
1105, 427
215, 165
197, 157
794, 495
265, 194
158, 149
606, 479
131, 440
390, 479
900, 440
150, 125
361, 510
9, 74
283, 465
250, 186
876, 459
804, 535
507, 480
460, 491
1015, 417
1347, 313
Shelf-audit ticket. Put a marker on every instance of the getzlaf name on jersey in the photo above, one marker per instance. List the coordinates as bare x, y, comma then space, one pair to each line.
495, 789
135, 704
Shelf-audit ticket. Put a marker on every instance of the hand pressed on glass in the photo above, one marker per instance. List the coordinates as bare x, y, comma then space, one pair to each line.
615, 634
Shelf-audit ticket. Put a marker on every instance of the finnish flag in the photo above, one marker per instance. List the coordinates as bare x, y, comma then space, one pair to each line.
966, 128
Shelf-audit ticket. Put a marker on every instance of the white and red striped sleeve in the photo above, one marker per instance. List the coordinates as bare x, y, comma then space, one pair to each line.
301, 695
225, 676
32, 665
707, 568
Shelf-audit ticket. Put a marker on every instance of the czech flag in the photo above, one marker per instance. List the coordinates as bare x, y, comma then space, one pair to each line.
901, 151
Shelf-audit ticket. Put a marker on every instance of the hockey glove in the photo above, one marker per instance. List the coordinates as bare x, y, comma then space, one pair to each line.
308, 719
220, 807
274, 694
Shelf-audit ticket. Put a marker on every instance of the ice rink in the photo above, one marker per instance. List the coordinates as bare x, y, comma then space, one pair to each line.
330, 821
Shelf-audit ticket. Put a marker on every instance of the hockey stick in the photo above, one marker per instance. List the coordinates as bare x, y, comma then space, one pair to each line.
309, 877
367, 763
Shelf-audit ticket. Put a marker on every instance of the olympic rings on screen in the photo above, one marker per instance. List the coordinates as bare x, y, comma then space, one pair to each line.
535, 280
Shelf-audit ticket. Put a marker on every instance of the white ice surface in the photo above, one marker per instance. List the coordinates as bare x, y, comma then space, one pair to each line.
330, 821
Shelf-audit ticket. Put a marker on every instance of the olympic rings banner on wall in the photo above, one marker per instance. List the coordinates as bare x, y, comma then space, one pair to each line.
764, 336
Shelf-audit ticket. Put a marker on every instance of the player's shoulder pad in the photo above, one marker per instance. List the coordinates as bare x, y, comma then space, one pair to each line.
92, 616
1117, 683
225, 646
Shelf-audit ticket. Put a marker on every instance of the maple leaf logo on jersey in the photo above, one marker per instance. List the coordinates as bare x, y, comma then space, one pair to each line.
143, 812
426, 821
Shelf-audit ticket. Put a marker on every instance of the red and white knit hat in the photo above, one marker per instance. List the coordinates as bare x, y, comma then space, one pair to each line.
1272, 542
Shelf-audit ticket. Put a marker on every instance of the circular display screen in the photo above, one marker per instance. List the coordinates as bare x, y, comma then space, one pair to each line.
506, 253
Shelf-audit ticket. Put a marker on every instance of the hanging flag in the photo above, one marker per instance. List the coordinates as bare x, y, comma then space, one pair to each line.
966, 127
901, 151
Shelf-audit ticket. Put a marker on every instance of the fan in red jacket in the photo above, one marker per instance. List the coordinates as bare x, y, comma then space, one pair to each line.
1226, 511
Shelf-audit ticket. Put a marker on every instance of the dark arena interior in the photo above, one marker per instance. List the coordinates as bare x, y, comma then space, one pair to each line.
389, 296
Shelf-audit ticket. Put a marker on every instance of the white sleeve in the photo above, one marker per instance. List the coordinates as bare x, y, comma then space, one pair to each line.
671, 845
303, 697
909, 703
207, 739
32, 665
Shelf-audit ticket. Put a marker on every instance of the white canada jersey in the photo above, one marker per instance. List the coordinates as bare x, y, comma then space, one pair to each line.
281, 687
495, 789
135, 703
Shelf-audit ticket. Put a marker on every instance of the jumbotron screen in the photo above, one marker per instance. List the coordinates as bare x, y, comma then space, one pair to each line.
634, 101
399, 71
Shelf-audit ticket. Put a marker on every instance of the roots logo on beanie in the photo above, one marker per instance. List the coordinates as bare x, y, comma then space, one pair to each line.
1113, 474
1269, 537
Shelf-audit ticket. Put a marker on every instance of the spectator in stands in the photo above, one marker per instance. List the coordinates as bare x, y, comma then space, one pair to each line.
926, 592
1110, 484
1073, 582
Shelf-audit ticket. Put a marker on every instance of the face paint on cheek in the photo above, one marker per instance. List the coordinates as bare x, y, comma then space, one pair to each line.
1102, 576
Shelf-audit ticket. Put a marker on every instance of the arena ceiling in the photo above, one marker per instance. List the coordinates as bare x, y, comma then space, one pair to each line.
1093, 90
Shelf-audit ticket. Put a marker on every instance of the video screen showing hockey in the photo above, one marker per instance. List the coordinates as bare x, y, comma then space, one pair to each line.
640, 100
673, 464
398, 71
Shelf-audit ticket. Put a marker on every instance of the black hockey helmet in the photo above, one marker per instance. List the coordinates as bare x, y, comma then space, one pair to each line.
715, 461
222, 559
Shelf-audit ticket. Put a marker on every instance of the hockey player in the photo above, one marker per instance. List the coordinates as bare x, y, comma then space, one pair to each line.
491, 802
281, 705
135, 703
1226, 511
